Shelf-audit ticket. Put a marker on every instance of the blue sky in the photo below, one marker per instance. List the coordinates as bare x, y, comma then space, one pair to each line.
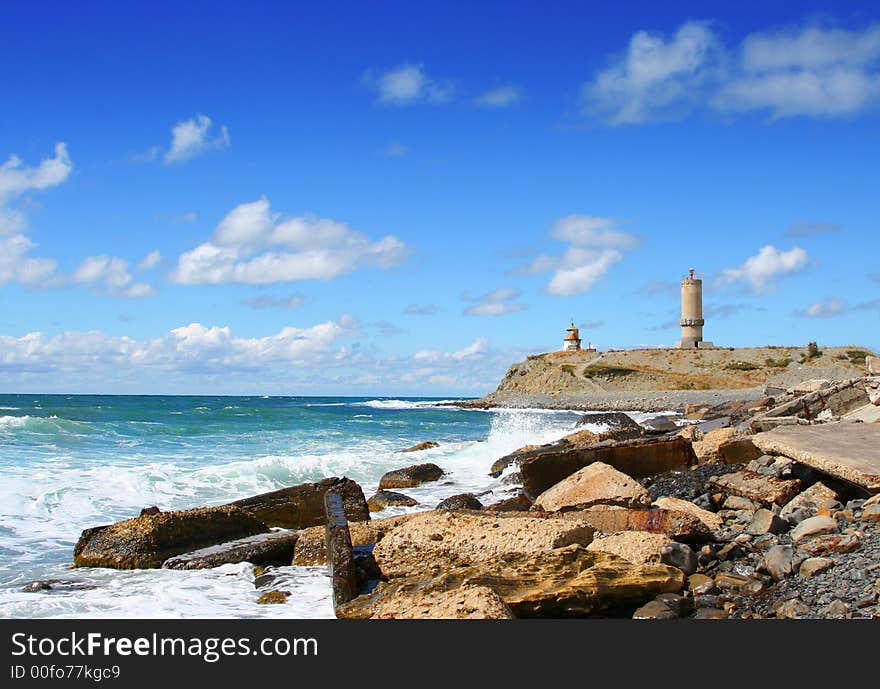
347, 198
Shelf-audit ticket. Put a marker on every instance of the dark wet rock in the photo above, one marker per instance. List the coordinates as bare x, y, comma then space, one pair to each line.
427, 445
340, 553
299, 507
659, 424
150, 510
679, 555
463, 501
685, 483
146, 542
44, 585
388, 498
518, 503
655, 610
410, 476
273, 547
612, 421
512, 479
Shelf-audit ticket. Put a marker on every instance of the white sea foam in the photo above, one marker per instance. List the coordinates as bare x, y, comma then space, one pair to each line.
406, 404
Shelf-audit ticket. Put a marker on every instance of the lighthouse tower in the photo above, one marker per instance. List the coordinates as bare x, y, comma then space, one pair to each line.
692, 313
572, 341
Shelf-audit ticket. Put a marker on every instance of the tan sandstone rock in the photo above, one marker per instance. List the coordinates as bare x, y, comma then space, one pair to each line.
563, 582
708, 449
710, 519
638, 547
596, 484
439, 541
468, 602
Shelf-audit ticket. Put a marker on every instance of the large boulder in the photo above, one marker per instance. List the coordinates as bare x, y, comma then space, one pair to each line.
518, 503
388, 498
311, 546
262, 549
146, 542
410, 476
563, 582
596, 484
544, 468
439, 541
610, 423
300, 507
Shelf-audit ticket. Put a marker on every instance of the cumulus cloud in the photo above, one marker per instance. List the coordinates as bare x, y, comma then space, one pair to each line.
812, 71
475, 350
253, 245
593, 247
265, 301
192, 137
421, 309
17, 180
501, 97
109, 275
193, 347
656, 76
17, 266
496, 303
408, 84
827, 308
760, 271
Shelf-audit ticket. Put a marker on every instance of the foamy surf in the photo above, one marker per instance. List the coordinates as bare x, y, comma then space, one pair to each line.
81, 462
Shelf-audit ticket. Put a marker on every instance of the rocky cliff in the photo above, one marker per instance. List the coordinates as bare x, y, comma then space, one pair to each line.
631, 379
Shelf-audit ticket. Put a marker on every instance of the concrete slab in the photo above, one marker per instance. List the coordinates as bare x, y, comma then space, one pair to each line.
845, 450
868, 414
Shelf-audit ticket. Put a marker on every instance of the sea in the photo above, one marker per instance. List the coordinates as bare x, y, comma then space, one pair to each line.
70, 462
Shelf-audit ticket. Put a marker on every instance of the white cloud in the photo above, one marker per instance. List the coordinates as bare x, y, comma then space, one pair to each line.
502, 97
475, 350
421, 309
408, 84
253, 245
593, 247
495, 303
591, 231
193, 137
151, 260
810, 71
190, 348
761, 270
656, 76
827, 308
15, 266
16, 180
109, 275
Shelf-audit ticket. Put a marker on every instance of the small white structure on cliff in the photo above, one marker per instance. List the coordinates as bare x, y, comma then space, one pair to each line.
692, 314
572, 341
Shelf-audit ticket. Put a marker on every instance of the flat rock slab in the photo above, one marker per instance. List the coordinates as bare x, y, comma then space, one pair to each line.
564, 582
261, 549
439, 541
848, 451
766, 490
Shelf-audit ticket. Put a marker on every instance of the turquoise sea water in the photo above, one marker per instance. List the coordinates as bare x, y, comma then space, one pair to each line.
71, 462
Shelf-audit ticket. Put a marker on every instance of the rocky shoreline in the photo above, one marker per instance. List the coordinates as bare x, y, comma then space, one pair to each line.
746, 508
